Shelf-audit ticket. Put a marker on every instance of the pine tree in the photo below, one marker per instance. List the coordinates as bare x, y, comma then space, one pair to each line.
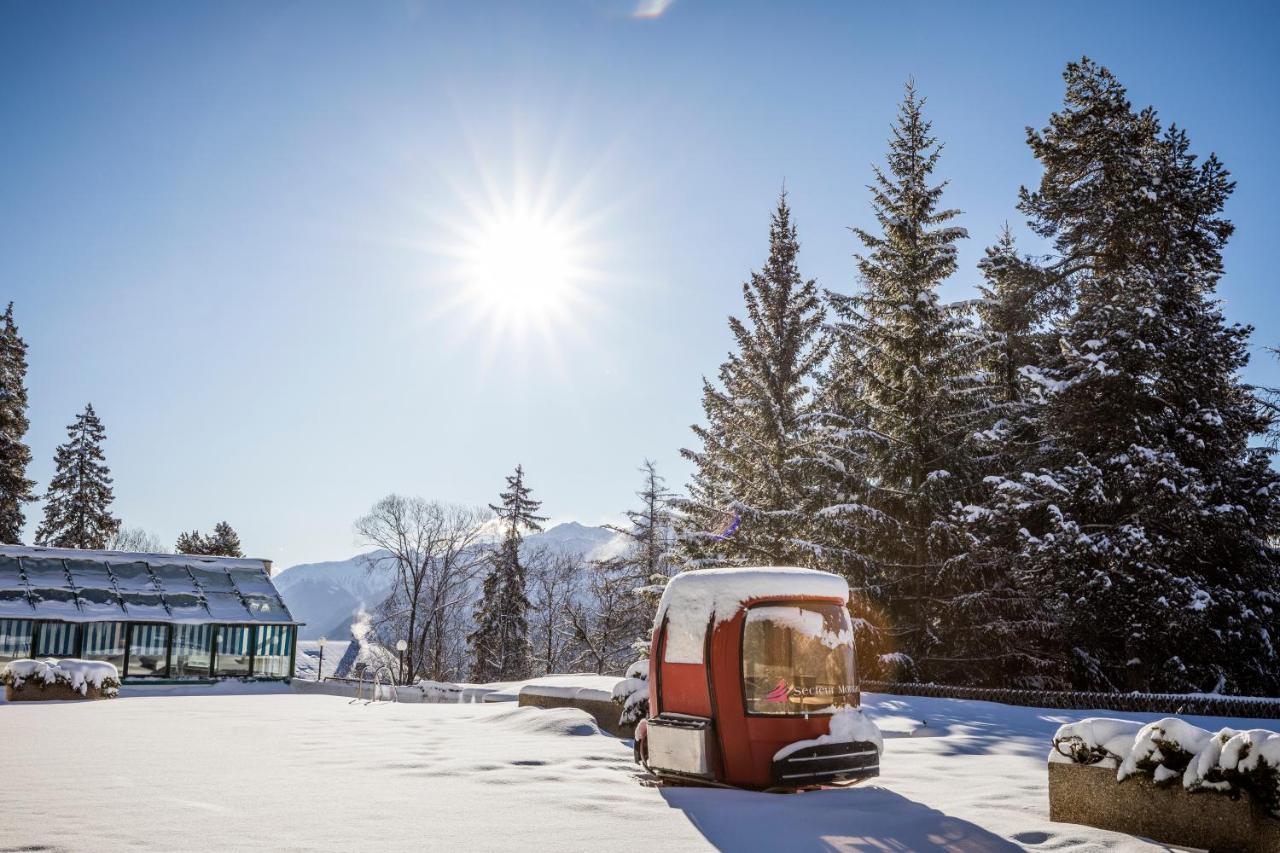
225, 542
1147, 519
995, 625
193, 542
755, 442
649, 561
15, 455
909, 359
78, 501
500, 643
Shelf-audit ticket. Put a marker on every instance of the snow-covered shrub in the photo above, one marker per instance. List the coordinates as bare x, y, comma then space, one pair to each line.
1226, 761
632, 693
1096, 740
77, 674
1164, 749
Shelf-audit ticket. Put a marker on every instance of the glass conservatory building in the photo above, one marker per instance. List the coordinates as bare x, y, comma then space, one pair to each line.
152, 615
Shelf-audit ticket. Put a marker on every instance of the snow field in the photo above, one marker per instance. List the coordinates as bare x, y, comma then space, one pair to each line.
279, 770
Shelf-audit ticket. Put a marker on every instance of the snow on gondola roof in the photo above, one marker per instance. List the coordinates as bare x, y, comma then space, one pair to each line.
74, 585
693, 599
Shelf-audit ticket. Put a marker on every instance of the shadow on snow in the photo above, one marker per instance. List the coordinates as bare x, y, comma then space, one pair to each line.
852, 819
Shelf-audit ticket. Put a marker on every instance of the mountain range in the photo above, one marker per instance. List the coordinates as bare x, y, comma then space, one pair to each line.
327, 596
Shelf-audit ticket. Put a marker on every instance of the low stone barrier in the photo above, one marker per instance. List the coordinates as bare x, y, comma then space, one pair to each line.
597, 703
34, 691
1089, 794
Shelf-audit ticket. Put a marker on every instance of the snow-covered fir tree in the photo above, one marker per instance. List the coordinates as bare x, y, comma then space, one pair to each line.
745, 499
1148, 517
500, 643
911, 361
992, 618
15, 455
77, 509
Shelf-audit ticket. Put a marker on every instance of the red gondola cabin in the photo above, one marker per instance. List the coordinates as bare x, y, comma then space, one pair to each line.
752, 682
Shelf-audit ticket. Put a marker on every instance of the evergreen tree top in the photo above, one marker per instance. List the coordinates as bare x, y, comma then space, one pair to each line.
518, 510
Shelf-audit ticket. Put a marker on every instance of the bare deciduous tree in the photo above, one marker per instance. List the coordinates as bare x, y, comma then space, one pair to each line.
137, 540
554, 581
433, 552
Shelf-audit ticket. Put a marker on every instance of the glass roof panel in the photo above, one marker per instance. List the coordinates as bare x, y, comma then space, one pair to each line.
145, 605
55, 603
133, 576
212, 579
267, 608
89, 574
187, 607
10, 576
174, 578
248, 581
14, 603
100, 603
45, 573
227, 606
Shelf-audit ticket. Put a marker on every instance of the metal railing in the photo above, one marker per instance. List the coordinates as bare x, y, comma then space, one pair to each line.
1079, 700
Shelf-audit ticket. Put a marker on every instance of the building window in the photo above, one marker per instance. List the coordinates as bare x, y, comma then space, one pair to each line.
148, 649
15, 639
105, 641
233, 650
272, 655
191, 650
56, 640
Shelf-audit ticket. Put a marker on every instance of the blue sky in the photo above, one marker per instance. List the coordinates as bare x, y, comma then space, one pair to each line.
233, 226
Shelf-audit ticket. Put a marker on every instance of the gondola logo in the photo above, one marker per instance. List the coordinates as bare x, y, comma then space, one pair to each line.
779, 693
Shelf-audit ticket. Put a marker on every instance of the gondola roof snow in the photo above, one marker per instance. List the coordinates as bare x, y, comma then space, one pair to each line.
693, 599
74, 585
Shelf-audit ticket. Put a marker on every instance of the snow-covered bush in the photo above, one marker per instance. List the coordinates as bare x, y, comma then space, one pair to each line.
632, 693
77, 674
1225, 761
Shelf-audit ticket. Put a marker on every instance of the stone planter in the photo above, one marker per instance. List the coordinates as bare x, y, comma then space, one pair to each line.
1090, 795
607, 713
34, 691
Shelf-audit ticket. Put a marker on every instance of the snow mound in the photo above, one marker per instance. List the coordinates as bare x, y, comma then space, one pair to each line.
847, 726
573, 722
692, 600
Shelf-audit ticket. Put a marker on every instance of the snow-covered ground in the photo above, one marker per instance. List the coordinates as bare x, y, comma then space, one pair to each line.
160, 769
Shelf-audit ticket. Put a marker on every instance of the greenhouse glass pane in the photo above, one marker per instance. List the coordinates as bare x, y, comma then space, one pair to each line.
100, 603
45, 573
55, 603
274, 651
148, 647
191, 645
15, 639
233, 650
56, 640
187, 607
104, 641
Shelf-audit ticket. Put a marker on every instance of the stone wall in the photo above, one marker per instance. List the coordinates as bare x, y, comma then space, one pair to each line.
33, 691
1089, 794
607, 713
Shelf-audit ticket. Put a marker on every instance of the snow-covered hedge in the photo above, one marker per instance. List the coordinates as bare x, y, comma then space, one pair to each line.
1169, 749
77, 674
632, 693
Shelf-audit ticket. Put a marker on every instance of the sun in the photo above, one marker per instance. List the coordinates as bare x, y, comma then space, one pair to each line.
521, 266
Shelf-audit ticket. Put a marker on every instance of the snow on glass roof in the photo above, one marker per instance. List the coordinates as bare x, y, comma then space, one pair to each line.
72, 585
693, 599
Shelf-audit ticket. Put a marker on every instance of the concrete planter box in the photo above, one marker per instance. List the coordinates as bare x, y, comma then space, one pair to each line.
1218, 822
607, 713
33, 691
